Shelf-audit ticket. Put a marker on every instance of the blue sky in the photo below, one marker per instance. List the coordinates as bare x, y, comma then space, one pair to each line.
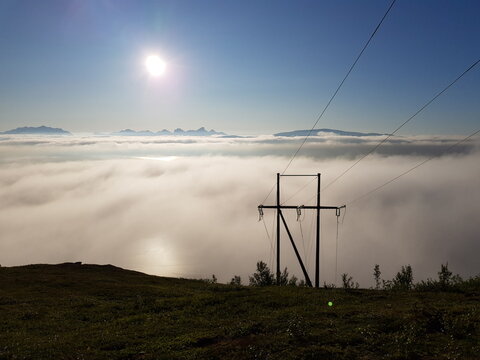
237, 66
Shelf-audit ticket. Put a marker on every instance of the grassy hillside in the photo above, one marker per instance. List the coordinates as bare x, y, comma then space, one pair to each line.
72, 311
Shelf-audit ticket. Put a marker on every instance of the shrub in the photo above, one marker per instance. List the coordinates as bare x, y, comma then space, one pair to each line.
236, 280
402, 281
293, 281
446, 281
472, 284
348, 283
444, 276
328, 286
283, 278
263, 276
427, 285
213, 280
376, 276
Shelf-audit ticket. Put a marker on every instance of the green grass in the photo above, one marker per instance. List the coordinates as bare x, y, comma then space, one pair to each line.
71, 311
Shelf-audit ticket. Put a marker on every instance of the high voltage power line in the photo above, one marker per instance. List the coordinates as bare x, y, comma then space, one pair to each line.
411, 169
403, 124
380, 143
281, 205
365, 195
335, 93
339, 87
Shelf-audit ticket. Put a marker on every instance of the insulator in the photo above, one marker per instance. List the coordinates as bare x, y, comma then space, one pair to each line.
260, 214
299, 213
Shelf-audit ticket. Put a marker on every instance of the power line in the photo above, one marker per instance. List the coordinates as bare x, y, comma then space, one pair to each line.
335, 93
272, 246
411, 169
311, 245
399, 127
339, 86
268, 235
403, 124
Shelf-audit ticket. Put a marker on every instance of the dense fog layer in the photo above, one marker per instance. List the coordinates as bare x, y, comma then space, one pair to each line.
188, 207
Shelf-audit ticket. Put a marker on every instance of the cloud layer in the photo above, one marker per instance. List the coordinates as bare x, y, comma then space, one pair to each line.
116, 200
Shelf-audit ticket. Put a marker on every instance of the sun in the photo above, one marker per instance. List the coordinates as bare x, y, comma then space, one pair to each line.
155, 65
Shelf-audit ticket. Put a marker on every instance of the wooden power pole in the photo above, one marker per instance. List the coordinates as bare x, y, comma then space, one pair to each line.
279, 207
278, 229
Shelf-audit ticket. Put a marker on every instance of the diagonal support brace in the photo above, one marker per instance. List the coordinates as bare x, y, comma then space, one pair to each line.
307, 278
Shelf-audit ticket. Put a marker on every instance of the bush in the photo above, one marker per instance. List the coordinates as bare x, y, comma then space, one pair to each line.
293, 281
376, 276
213, 280
402, 281
328, 286
263, 276
348, 283
472, 284
444, 276
446, 281
236, 280
283, 278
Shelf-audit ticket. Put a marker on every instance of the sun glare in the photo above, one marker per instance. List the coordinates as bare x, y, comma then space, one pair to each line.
155, 66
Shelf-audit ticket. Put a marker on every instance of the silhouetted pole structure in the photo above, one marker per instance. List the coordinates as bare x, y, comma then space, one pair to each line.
317, 248
304, 270
280, 216
278, 228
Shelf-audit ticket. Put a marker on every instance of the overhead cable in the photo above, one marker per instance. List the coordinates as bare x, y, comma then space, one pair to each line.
335, 92
374, 148
411, 169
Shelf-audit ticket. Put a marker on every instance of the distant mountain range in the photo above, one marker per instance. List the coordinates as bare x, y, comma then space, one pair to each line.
332, 131
41, 130
177, 132
45, 130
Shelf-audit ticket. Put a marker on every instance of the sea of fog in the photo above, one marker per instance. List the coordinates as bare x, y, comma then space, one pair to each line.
187, 206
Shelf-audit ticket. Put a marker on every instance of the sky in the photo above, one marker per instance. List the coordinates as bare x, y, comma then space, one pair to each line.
244, 67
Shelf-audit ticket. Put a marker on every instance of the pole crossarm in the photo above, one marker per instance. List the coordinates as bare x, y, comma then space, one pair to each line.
281, 218
301, 207
298, 175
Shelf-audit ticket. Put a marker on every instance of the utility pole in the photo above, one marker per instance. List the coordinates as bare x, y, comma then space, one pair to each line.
278, 228
317, 237
279, 207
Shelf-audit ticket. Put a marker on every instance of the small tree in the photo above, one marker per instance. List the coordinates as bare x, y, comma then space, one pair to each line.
387, 284
444, 276
236, 280
263, 276
293, 281
376, 276
348, 283
213, 280
283, 278
404, 279
328, 286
